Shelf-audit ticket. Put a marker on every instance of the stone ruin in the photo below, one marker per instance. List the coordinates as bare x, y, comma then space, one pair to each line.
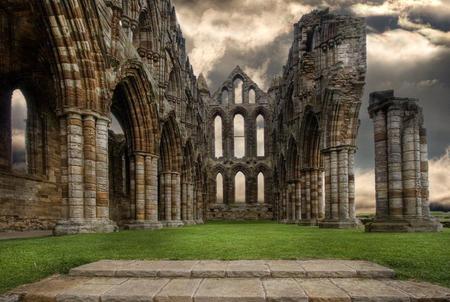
401, 165
79, 65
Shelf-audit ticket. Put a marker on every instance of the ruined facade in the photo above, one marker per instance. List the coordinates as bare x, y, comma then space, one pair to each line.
240, 119
91, 60
185, 154
317, 103
401, 165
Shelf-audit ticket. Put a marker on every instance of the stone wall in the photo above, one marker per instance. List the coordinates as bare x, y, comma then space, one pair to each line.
225, 105
28, 203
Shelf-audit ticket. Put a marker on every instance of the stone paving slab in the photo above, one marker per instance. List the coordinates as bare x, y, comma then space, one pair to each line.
101, 289
235, 269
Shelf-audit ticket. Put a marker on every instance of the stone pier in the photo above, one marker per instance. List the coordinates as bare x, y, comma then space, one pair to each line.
401, 166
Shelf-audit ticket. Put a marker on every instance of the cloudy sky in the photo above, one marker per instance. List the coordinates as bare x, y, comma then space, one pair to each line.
408, 47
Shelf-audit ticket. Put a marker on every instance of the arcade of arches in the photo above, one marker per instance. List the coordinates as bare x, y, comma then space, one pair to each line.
119, 132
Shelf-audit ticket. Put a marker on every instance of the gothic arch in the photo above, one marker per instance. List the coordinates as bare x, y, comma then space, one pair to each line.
134, 106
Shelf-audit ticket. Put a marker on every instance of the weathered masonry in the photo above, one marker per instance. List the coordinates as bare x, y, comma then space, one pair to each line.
78, 64
120, 132
240, 150
401, 165
317, 103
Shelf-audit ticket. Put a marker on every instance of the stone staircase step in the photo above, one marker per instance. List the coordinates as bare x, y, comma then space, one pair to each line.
113, 289
234, 269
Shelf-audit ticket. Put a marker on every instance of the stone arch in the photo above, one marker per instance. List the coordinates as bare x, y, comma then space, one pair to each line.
311, 170
247, 175
219, 169
224, 98
252, 99
174, 86
267, 174
310, 139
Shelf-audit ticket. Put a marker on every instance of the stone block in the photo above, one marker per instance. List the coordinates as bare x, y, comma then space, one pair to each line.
142, 290
323, 290
246, 269
327, 269
283, 290
286, 269
209, 269
366, 290
178, 290
230, 290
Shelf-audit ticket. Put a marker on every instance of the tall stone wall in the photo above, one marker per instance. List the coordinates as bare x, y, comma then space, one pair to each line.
225, 105
316, 108
401, 165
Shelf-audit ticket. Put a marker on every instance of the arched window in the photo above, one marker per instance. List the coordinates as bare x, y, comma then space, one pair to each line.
219, 188
252, 96
239, 187
218, 142
238, 90
224, 97
239, 136
19, 113
260, 136
261, 187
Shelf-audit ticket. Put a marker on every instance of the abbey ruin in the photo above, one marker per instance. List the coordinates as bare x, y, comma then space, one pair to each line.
186, 154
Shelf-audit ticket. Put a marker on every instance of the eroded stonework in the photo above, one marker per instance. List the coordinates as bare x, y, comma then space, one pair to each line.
401, 165
78, 64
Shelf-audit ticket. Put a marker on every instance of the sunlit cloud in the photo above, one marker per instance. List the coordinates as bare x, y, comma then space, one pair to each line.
246, 28
400, 48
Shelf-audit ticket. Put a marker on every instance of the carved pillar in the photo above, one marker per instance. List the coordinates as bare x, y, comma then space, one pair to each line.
75, 166
395, 162
90, 176
140, 186
401, 166
151, 188
167, 196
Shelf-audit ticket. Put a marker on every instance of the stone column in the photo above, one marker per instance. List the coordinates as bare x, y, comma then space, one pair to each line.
395, 162
151, 189
298, 201
351, 184
409, 176
343, 184
401, 166
140, 186
424, 172
132, 188
90, 179
168, 196
101, 167
184, 202
334, 192
75, 166
192, 210
64, 167
321, 213
314, 195
339, 188
308, 194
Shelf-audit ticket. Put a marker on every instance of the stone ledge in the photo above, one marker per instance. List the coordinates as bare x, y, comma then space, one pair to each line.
235, 269
65, 289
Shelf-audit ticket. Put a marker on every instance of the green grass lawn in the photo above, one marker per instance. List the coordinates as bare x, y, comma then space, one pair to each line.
413, 256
